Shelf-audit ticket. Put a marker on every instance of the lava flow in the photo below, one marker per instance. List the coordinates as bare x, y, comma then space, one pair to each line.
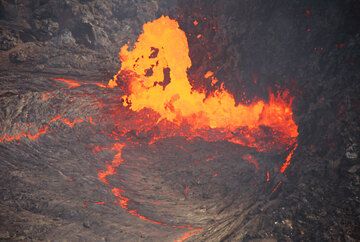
42, 130
123, 201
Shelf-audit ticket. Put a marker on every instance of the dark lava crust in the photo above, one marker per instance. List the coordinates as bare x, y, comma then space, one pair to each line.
50, 188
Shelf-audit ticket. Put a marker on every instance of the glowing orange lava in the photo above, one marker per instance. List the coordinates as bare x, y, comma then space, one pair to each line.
188, 234
154, 76
42, 130
122, 200
70, 123
69, 82
110, 168
288, 159
24, 134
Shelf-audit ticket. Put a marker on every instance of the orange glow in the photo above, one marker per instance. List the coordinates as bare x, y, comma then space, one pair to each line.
154, 78
56, 118
123, 201
288, 159
136, 214
99, 84
163, 49
112, 83
24, 134
213, 81
91, 121
70, 123
209, 74
195, 22
189, 234
42, 130
100, 203
69, 82
118, 192
111, 168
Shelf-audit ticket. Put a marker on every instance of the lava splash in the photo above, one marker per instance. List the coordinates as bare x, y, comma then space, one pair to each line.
154, 76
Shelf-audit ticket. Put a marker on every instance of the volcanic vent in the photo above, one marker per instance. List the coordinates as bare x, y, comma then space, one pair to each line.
171, 148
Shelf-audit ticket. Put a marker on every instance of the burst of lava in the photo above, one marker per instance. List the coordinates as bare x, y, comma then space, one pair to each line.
154, 76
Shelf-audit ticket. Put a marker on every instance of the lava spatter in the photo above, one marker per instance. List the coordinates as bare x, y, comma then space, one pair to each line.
177, 101
263, 125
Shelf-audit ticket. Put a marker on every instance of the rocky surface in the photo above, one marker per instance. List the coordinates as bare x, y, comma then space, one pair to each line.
50, 188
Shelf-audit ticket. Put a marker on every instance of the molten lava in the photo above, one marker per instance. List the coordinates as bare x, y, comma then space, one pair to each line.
154, 76
69, 82
40, 131
288, 159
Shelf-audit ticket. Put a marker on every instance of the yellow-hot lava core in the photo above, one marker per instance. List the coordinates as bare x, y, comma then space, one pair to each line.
154, 72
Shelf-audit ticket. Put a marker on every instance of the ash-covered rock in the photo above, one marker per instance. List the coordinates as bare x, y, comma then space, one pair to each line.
8, 39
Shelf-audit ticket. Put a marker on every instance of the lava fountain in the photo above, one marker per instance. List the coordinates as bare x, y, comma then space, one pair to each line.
154, 76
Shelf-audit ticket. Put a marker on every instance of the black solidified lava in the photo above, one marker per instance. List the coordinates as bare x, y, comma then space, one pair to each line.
65, 174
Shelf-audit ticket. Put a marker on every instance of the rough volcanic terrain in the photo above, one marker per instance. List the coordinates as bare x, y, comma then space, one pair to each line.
78, 163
